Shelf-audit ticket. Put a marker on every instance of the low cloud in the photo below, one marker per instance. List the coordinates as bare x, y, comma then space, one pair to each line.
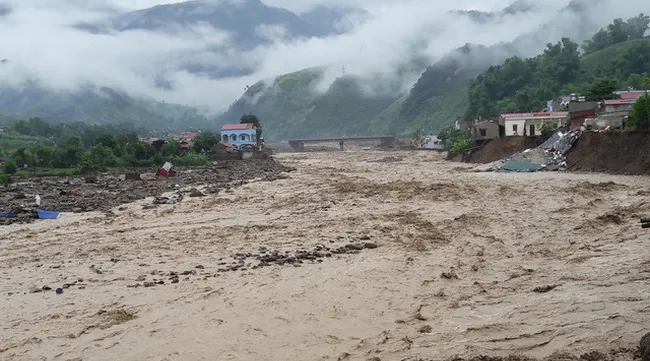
44, 45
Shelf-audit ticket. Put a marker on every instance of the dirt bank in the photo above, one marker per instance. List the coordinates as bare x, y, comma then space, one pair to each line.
355, 257
500, 148
105, 191
623, 153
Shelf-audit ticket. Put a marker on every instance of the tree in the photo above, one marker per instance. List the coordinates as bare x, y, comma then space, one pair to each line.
638, 26
205, 141
69, 154
99, 158
143, 151
617, 32
106, 140
171, 149
603, 88
252, 118
640, 114
10, 167
34, 127
44, 156
599, 41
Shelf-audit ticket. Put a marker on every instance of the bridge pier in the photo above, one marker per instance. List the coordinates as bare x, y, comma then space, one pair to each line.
388, 142
297, 145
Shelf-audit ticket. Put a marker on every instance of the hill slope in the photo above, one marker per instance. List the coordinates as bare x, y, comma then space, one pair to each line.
94, 106
441, 94
292, 105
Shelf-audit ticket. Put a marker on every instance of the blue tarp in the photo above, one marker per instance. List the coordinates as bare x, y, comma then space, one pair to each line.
40, 213
517, 166
47, 214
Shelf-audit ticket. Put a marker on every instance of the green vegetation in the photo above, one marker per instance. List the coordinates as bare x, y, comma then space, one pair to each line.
456, 140
617, 32
295, 105
640, 114
94, 106
252, 119
522, 85
11, 142
94, 148
10, 167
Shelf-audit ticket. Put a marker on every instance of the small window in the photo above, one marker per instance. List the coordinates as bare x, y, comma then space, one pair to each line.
483, 132
515, 128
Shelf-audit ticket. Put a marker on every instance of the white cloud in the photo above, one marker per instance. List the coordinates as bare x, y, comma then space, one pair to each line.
43, 44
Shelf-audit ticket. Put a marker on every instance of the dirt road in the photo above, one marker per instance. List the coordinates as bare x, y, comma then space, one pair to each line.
467, 264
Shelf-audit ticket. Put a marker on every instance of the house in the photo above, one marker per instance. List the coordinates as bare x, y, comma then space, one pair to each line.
581, 112
189, 136
631, 94
529, 124
239, 134
185, 144
614, 111
485, 130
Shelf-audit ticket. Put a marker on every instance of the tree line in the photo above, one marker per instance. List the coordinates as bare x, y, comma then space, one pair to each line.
524, 85
85, 148
618, 31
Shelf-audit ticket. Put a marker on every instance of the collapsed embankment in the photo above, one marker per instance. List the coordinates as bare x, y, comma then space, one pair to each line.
615, 153
501, 148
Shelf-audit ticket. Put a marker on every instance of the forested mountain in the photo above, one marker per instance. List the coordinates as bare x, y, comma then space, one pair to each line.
94, 106
448, 90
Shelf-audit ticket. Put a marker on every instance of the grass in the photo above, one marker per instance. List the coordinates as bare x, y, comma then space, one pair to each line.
45, 172
11, 142
609, 55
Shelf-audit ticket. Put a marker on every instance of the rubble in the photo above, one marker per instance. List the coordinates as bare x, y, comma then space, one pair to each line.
550, 155
109, 190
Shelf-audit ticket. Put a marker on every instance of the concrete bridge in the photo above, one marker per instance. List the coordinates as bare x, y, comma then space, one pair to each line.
299, 144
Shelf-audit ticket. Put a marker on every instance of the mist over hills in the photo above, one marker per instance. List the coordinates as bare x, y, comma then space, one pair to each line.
386, 69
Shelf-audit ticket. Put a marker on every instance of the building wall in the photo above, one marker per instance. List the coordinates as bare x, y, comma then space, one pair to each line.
523, 125
239, 137
613, 115
509, 123
539, 124
491, 131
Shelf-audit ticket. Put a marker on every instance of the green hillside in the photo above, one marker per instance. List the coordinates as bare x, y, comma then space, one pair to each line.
610, 56
295, 105
465, 83
522, 85
94, 106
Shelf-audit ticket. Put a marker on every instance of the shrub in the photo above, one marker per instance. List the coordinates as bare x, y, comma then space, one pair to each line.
6, 179
460, 145
10, 167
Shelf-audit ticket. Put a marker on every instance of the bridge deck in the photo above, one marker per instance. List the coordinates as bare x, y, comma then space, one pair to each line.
339, 139
299, 144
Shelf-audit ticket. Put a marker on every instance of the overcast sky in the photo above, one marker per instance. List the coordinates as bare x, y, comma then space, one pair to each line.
39, 41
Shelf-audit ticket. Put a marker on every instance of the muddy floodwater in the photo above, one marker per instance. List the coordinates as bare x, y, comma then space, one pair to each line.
356, 255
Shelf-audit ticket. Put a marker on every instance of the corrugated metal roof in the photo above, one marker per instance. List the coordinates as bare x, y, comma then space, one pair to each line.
620, 101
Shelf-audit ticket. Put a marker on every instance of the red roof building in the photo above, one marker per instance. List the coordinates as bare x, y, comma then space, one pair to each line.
632, 94
243, 126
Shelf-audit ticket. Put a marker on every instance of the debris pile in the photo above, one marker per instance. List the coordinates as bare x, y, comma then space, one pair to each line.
103, 192
551, 155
